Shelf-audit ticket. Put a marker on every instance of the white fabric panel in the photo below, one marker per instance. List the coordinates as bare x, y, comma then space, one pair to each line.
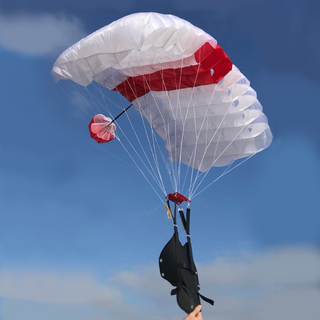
222, 153
209, 125
124, 46
112, 77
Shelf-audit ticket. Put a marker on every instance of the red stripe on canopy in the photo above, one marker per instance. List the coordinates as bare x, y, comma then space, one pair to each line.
213, 65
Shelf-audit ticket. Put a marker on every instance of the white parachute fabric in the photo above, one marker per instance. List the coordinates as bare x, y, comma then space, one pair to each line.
202, 125
215, 124
119, 50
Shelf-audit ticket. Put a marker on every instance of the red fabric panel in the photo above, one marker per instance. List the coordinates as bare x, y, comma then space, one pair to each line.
177, 197
180, 78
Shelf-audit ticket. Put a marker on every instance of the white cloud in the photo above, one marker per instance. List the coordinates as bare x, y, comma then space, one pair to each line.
281, 267
293, 303
39, 34
22, 310
244, 287
278, 285
50, 287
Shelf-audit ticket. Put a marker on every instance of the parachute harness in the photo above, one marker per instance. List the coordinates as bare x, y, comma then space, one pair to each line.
176, 262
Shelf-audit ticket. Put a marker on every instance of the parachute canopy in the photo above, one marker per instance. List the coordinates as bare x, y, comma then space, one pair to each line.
180, 80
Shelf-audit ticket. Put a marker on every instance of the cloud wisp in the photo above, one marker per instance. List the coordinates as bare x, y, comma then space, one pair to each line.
56, 288
249, 287
39, 34
282, 284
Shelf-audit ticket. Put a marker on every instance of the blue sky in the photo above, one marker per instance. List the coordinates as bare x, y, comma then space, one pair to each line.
71, 213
